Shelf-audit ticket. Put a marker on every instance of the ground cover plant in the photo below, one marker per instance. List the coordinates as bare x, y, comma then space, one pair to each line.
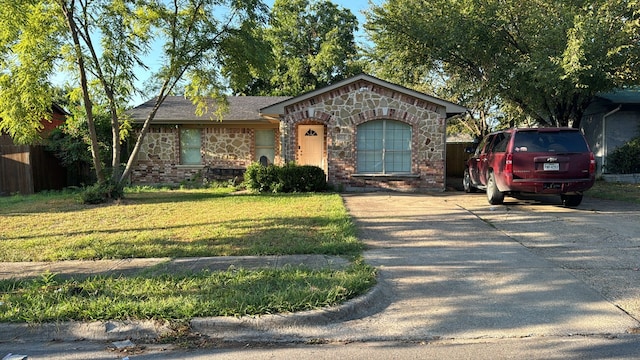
184, 223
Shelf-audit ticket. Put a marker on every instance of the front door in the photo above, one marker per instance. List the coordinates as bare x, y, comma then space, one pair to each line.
311, 145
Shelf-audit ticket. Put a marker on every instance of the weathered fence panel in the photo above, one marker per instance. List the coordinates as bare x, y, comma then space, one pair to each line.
456, 157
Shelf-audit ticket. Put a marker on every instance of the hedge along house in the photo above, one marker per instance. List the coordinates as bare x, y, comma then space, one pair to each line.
365, 133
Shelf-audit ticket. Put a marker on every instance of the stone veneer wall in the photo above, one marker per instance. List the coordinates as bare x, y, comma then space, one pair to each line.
222, 148
343, 109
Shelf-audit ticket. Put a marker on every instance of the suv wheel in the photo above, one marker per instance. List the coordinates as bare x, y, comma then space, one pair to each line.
494, 195
466, 182
571, 200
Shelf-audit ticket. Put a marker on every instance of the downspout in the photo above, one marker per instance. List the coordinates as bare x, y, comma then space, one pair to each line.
605, 150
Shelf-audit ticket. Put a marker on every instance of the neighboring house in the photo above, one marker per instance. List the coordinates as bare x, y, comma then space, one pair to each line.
27, 169
611, 120
365, 133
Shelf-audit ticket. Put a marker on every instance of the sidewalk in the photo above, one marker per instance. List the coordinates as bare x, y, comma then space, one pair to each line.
77, 268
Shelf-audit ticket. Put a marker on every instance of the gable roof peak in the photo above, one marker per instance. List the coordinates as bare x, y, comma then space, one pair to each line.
278, 108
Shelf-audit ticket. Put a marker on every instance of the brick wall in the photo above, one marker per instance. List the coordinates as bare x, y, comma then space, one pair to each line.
158, 161
343, 109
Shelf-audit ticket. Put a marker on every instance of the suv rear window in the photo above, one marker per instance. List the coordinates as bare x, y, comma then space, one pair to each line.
550, 141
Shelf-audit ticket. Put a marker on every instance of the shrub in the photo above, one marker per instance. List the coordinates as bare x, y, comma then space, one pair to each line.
625, 159
101, 193
288, 178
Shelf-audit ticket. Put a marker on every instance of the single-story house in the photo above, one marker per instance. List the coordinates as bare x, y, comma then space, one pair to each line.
610, 121
27, 169
365, 133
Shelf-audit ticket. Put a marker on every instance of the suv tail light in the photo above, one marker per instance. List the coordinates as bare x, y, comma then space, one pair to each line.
592, 164
508, 164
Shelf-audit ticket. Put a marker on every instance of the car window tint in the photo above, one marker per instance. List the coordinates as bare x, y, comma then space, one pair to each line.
502, 145
483, 143
556, 142
499, 143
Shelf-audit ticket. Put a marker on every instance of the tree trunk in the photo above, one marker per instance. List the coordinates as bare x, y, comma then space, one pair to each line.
143, 132
88, 105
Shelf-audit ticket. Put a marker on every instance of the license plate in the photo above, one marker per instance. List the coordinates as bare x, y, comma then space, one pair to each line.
551, 167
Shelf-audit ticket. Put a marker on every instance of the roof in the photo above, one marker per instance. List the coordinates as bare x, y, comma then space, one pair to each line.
278, 108
59, 109
622, 96
180, 110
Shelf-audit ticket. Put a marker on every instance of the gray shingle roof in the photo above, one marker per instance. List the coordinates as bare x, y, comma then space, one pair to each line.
178, 109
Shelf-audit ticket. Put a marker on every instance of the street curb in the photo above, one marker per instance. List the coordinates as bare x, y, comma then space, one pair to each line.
76, 330
262, 327
249, 327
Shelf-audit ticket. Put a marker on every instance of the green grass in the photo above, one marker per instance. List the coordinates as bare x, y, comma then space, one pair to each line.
176, 223
615, 191
183, 223
180, 296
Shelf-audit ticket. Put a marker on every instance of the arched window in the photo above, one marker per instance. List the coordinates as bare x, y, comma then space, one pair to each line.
384, 147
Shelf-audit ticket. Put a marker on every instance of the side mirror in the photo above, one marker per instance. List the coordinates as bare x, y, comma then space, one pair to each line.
470, 149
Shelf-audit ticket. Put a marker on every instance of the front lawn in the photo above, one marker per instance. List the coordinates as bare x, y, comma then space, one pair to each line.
184, 223
180, 296
615, 191
174, 224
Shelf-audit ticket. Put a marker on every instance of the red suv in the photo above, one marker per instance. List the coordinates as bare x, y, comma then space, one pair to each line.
532, 160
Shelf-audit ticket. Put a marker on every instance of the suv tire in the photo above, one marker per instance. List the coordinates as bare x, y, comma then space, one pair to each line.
494, 196
571, 200
466, 182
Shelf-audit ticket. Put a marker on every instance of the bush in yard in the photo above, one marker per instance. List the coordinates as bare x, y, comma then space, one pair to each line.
304, 178
261, 178
625, 159
101, 193
288, 178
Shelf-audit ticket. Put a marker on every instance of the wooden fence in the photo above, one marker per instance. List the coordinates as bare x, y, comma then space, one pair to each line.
28, 169
456, 157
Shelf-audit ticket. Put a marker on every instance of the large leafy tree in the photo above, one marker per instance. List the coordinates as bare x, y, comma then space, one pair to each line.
101, 45
312, 46
546, 59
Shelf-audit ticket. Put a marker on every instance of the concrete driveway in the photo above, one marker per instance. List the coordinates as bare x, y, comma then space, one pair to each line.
454, 267
461, 268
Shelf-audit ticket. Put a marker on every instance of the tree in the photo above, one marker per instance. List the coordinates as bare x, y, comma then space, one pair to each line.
312, 46
102, 43
545, 58
481, 111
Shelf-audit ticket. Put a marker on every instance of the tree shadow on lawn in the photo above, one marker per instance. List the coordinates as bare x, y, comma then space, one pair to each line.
71, 202
271, 236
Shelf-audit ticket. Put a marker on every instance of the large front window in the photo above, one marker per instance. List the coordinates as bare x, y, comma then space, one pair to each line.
190, 143
384, 147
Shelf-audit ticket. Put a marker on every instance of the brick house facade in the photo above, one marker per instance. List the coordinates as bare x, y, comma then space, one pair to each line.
365, 133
